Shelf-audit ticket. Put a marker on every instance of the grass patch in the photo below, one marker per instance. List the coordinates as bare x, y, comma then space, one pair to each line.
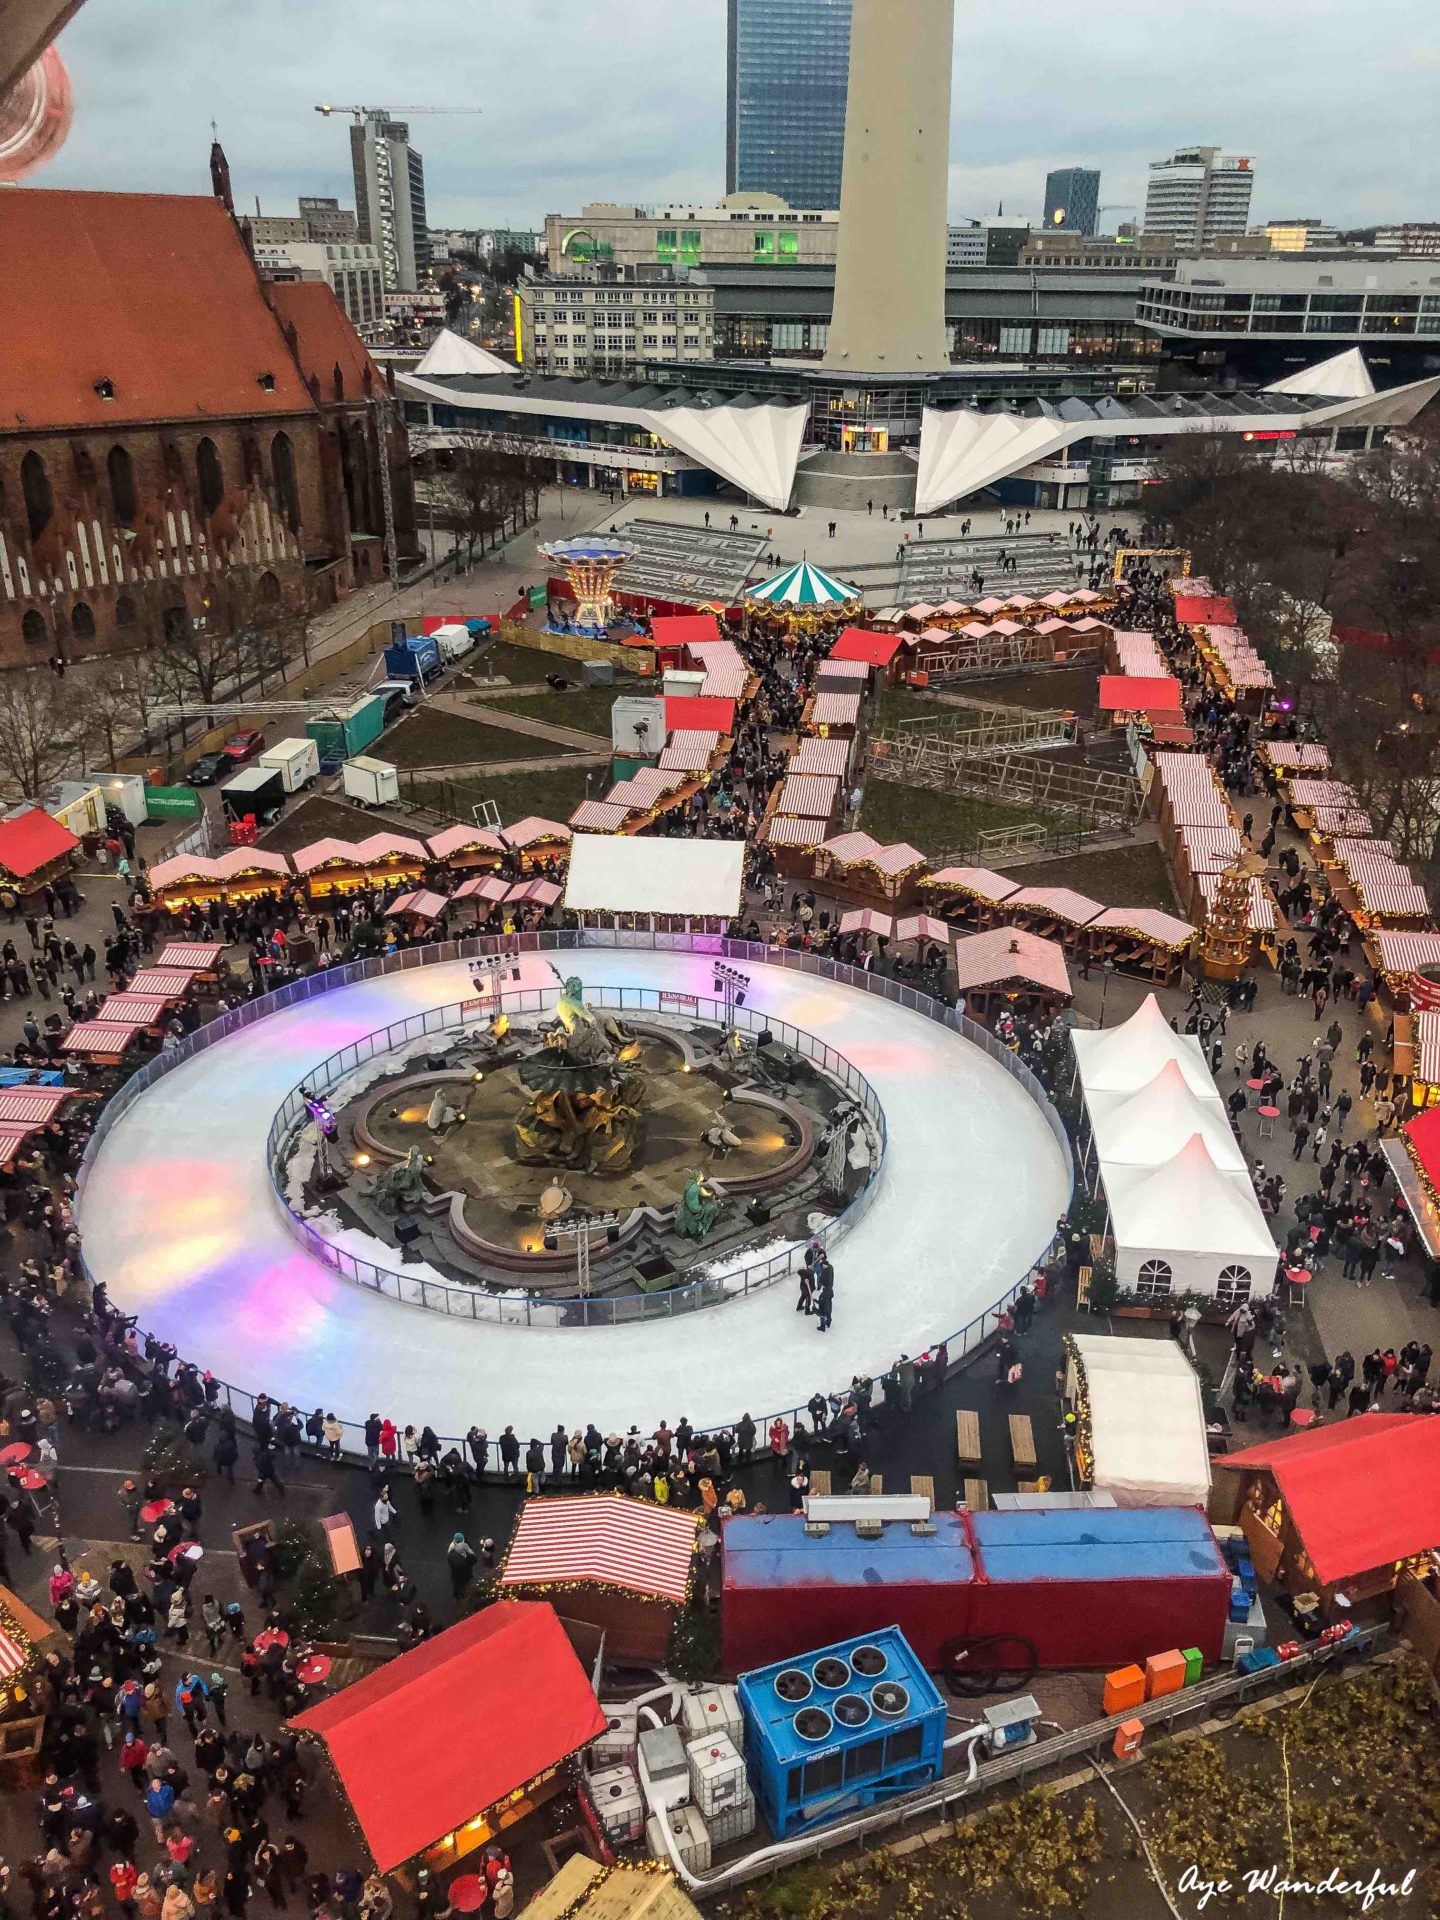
552, 792
435, 738
586, 708
936, 822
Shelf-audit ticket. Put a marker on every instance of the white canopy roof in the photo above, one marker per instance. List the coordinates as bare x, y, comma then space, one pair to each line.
1147, 1422
1126, 1058
615, 874
451, 353
1187, 1207
1147, 1128
1342, 374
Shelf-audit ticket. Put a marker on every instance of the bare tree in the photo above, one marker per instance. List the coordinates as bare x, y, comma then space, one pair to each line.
38, 735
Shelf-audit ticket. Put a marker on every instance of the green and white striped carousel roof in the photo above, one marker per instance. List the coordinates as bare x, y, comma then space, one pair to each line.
803, 586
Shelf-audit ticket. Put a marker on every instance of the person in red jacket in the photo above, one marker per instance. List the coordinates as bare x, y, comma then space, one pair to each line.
134, 1752
389, 1439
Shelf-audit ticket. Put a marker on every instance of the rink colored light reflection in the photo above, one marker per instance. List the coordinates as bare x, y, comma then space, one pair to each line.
179, 1219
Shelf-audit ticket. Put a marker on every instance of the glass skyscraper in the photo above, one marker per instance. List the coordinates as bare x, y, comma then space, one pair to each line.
1072, 200
789, 68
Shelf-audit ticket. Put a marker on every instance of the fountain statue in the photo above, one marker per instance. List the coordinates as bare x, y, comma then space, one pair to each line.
393, 1186
586, 1091
698, 1208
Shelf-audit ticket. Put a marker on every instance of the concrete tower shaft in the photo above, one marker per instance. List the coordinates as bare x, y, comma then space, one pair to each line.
889, 314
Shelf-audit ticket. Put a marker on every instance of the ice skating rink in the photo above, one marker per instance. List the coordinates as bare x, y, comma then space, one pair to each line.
179, 1219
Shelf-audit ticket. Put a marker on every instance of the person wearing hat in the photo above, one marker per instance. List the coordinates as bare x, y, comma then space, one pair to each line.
462, 1558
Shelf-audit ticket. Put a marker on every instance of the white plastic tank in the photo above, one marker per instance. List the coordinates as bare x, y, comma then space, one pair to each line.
692, 1841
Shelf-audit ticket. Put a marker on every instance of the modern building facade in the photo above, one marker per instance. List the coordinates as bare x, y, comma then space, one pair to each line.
390, 198
746, 229
788, 64
607, 323
348, 267
1410, 237
1145, 253
1228, 320
320, 221
1072, 200
1198, 195
986, 243
889, 312
1297, 236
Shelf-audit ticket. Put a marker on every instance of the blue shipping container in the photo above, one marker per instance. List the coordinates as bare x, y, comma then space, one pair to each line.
414, 657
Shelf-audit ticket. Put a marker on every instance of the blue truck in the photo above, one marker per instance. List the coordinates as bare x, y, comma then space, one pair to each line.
416, 657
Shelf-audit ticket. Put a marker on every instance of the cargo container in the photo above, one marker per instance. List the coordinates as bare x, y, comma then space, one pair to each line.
341, 736
259, 790
1101, 1588
296, 761
374, 783
416, 657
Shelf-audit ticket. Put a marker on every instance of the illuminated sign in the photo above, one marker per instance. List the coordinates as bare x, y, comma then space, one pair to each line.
1273, 433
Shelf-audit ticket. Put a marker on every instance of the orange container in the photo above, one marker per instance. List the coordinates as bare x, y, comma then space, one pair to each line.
1127, 1739
1164, 1673
1125, 1688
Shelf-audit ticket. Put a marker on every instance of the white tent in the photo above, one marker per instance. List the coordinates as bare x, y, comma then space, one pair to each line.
1183, 1211
1201, 1223
452, 353
1146, 1420
1126, 1058
692, 879
1151, 1126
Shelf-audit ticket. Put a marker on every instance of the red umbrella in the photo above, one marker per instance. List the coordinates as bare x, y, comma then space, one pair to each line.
271, 1637
467, 1893
15, 1454
155, 1510
313, 1670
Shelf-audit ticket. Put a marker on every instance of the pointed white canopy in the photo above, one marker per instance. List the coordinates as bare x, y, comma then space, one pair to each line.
1344, 376
1126, 1058
1188, 1210
754, 447
1147, 1128
452, 353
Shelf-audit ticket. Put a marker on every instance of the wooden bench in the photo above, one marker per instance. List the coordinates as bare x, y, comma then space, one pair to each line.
1022, 1442
924, 1485
1082, 1289
819, 1480
967, 1436
977, 1496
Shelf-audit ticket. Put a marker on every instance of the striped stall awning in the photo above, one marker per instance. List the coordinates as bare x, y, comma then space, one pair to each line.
1287, 756
1138, 654
31, 1106
1382, 883
1191, 790
1427, 1047
164, 983
104, 1039
1320, 793
1404, 952
146, 1009
1211, 849
203, 954
835, 710
603, 1540
807, 794
829, 758
689, 751
786, 830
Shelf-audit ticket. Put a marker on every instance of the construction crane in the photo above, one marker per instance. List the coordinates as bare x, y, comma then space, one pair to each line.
361, 114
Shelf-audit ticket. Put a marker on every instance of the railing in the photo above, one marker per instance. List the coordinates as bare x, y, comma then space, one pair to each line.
959, 1344
516, 1308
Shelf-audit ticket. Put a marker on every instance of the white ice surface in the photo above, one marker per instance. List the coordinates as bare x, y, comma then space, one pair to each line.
178, 1217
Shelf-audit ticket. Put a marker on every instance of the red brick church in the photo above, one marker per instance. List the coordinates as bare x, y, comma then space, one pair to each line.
166, 418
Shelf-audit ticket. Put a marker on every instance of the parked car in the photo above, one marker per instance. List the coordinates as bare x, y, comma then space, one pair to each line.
208, 769
244, 746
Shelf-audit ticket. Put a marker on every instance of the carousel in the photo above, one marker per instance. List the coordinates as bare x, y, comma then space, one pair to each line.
803, 600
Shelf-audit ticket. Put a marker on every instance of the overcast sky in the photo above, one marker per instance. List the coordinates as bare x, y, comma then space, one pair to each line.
625, 99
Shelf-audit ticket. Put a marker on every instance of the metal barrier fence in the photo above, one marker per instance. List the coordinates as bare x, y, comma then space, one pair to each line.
514, 1308
959, 1344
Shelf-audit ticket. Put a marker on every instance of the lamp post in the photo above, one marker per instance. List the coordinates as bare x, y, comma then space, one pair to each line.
1107, 970
732, 985
580, 1231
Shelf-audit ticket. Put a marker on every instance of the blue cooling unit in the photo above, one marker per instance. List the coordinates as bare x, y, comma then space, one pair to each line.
839, 1729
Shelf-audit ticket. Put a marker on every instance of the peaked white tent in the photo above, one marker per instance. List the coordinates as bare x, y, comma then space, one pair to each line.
451, 353
1343, 376
1143, 1440
1126, 1058
1183, 1211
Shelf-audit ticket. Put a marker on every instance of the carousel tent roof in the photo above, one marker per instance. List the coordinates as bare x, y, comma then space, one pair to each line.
803, 589
1147, 1128
1126, 1058
693, 878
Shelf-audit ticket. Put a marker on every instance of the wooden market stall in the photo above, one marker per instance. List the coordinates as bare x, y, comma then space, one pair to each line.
418, 910
1398, 955
1375, 889
622, 1565
792, 841
1055, 913
487, 890
832, 715
1344, 1511
442, 1749
237, 875
204, 958
467, 849
584, 1890
35, 852
858, 870
670, 886
536, 842
102, 1042
1011, 970
1142, 941
383, 860
969, 896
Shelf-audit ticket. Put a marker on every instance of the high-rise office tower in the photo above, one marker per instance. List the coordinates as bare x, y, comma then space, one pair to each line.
1199, 194
1072, 200
789, 61
889, 312
390, 198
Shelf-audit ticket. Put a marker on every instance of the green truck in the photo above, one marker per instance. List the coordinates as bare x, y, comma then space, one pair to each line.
345, 734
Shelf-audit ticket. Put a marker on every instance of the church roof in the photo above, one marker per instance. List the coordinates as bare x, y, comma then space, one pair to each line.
324, 338
151, 293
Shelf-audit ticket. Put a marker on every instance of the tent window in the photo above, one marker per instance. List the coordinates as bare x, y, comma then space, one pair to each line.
1233, 1286
1155, 1278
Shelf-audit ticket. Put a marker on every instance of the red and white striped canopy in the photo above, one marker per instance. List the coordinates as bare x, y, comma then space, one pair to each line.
603, 1540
